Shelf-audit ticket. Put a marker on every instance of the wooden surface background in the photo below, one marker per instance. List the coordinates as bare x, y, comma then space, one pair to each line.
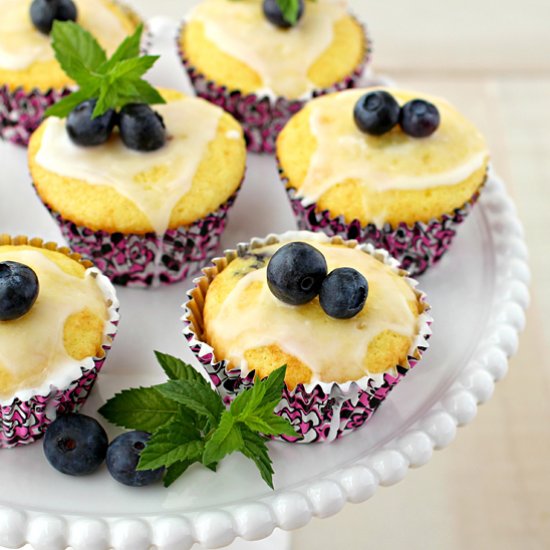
491, 488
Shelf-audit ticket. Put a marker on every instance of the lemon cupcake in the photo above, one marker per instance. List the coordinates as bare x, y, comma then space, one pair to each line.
58, 317
262, 60
343, 318
30, 77
142, 192
395, 168
144, 218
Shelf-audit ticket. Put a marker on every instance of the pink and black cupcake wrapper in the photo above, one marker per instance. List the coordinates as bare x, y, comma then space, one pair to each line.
21, 112
24, 420
262, 117
143, 260
319, 412
417, 246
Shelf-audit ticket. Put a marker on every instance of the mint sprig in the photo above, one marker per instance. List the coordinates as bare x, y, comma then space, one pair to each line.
189, 423
290, 10
114, 81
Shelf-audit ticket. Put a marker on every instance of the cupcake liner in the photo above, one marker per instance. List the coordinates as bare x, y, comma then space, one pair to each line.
143, 260
25, 417
262, 117
416, 246
21, 111
321, 411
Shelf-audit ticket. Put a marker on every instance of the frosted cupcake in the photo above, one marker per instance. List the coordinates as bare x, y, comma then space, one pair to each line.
58, 317
143, 192
346, 321
398, 169
30, 77
262, 63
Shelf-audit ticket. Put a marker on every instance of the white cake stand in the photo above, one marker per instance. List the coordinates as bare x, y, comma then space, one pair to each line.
478, 292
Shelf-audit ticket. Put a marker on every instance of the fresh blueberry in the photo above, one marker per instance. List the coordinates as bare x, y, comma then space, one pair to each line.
419, 118
18, 290
75, 444
295, 273
343, 293
274, 14
376, 113
141, 128
87, 131
123, 457
45, 12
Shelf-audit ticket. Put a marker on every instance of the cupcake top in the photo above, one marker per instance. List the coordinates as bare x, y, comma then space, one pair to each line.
115, 188
26, 56
391, 177
65, 325
236, 45
252, 329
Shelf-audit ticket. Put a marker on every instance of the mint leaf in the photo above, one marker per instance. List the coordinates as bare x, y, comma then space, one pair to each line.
256, 450
142, 409
290, 10
63, 107
225, 440
247, 402
175, 442
271, 425
128, 48
134, 67
137, 91
265, 394
195, 396
274, 385
175, 471
77, 51
176, 369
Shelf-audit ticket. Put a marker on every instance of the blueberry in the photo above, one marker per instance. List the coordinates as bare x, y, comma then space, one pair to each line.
343, 293
376, 113
123, 457
75, 444
85, 131
295, 273
45, 12
274, 15
141, 128
419, 118
18, 290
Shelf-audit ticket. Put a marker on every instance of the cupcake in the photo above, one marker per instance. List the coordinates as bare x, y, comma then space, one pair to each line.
394, 168
58, 317
343, 318
146, 202
30, 77
263, 60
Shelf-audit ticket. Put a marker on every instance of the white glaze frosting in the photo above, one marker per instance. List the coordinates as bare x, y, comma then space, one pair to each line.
155, 181
394, 161
281, 58
32, 347
21, 44
332, 349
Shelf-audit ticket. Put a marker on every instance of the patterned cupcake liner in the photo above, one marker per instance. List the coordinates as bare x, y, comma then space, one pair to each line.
416, 246
144, 260
263, 117
21, 111
322, 411
25, 417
